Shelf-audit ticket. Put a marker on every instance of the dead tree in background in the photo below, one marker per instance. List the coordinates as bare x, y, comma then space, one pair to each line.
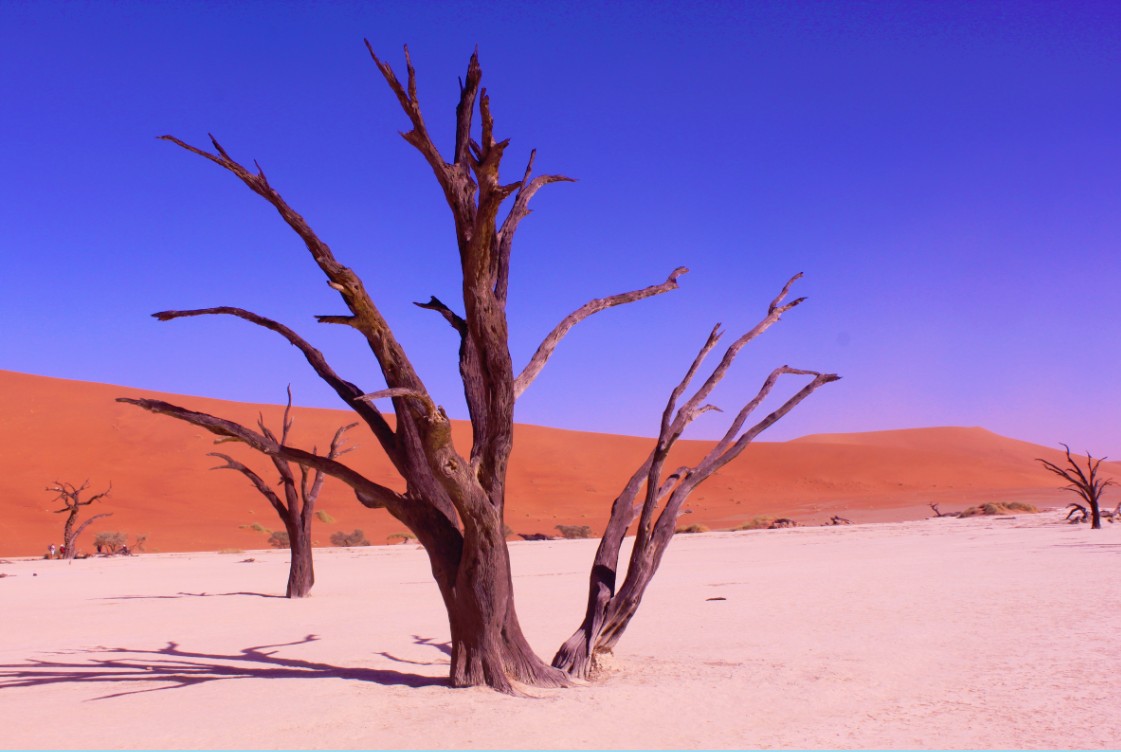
71, 498
1086, 483
453, 503
297, 509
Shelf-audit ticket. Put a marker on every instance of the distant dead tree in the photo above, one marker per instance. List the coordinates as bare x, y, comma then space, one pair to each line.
939, 513
454, 503
1086, 483
71, 498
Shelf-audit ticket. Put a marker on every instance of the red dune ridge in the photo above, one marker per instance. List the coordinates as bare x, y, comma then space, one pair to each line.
162, 485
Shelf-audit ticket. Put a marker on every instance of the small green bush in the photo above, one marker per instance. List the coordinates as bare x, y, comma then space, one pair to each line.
574, 531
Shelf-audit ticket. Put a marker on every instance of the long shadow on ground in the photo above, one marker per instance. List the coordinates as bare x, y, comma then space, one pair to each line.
173, 668
183, 594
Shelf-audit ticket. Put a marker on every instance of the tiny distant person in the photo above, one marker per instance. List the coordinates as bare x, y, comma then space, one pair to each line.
124, 550
51, 551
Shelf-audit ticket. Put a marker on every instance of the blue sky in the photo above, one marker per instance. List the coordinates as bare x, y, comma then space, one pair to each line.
947, 175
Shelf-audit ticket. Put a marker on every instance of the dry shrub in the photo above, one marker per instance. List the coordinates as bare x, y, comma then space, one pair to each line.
574, 531
110, 541
761, 522
357, 538
997, 508
324, 517
403, 537
694, 528
279, 539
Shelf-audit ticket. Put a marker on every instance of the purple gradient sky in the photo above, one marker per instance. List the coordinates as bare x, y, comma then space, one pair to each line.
947, 175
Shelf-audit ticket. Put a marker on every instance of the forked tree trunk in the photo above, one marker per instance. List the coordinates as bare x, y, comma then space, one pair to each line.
609, 611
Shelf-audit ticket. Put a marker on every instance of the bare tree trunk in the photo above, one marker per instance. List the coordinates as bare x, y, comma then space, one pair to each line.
72, 538
488, 647
301, 571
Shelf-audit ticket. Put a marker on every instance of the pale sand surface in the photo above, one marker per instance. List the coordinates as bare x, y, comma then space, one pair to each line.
982, 632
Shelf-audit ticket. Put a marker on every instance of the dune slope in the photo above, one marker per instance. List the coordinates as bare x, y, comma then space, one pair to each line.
60, 430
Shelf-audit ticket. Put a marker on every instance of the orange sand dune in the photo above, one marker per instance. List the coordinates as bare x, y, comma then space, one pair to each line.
59, 430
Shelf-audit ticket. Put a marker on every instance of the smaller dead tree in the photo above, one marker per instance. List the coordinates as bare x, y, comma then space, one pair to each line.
1086, 483
297, 509
71, 498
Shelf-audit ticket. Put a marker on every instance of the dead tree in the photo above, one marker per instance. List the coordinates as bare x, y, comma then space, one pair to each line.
455, 503
1086, 483
71, 498
655, 497
297, 509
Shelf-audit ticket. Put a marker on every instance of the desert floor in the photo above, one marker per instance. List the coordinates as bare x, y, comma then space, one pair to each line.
981, 632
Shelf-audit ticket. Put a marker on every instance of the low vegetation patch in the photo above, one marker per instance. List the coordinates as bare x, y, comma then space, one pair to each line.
109, 541
574, 531
694, 528
279, 539
996, 508
324, 517
347, 540
761, 522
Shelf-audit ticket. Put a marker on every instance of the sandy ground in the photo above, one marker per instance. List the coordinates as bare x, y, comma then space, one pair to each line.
982, 632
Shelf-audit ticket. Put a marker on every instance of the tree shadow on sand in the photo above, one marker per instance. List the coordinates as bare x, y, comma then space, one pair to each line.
173, 668
183, 594
443, 647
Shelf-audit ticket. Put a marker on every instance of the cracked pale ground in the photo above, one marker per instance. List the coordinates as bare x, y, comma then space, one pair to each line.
982, 632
